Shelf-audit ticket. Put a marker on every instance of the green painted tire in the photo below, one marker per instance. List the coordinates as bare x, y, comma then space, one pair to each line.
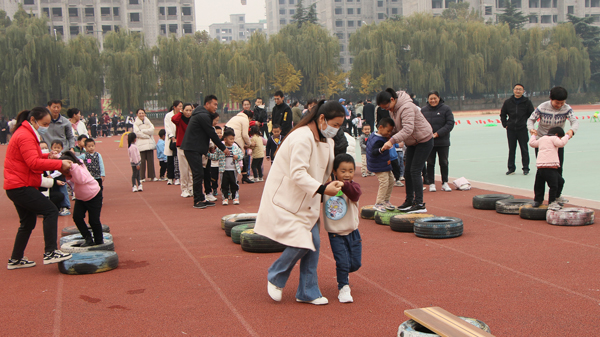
367, 212
236, 232
256, 243
406, 222
74, 230
383, 218
89, 263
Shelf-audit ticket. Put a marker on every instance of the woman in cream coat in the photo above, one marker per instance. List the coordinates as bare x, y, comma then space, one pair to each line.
291, 200
240, 124
144, 130
171, 132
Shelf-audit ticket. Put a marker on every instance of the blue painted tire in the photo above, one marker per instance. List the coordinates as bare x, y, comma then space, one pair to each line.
412, 328
89, 263
74, 230
65, 239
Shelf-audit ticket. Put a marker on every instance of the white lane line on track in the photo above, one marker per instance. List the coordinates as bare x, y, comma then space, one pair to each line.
59, 296
212, 283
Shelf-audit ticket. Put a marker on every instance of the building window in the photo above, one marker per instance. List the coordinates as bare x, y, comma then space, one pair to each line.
106, 29
105, 11
161, 10
349, 36
596, 17
595, 3
380, 16
555, 18
358, 11
342, 60
379, 3
134, 2
73, 12
282, 12
340, 36
57, 12
242, 27
545, 4
533, 19
339, 23
488, 10
338, 11
351, 60
282, 2
218, 31
186, 10
115, 11
163, 29
338, 0
74, 30
187, 28
173, 29
436, 4
350, 11
291, 2
171, 10
516, 3
282, 22
46, 11
349, 0
554, 4
350, 23
59, 30
534, 4
571, 9
117, 28
89, 11
241, 35
134, 17
292, 11
359, 23
342, 47
546, 19
394, 10
89, 29
28, 2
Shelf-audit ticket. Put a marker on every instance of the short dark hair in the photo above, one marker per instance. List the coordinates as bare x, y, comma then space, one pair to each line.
54, 101
72, 112
278, 93
343, 158
557, 130
257, 98
385, 96
519, 84
244, 100
162, 132
385, 122
254, 130
58, 142
559, 94
43, 142
294, 103
218, 127
195, 105
369, 125
210, 98
249, 113
214, 116
89, 140
82, 137
368, 100
275, 126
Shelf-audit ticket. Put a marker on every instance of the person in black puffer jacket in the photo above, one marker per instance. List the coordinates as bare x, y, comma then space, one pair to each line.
441, 119
514, 114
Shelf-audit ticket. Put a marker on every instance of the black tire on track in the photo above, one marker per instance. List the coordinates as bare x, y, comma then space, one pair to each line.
236, 232
406, 222
367, 212
570, 216
229, 224
533, 213
488, 201
89, 263
73, 247
383, 218
438, 227
511, 206
74, 230
256, 243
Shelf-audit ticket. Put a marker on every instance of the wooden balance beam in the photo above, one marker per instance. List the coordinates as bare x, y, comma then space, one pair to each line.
444, 323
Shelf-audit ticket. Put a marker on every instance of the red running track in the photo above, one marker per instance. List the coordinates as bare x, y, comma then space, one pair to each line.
180, 275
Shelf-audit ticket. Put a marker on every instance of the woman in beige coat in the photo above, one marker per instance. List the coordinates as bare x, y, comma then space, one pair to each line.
291, 200
144, 130
240, 123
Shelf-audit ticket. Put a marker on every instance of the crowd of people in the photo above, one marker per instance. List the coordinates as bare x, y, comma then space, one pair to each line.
52, 160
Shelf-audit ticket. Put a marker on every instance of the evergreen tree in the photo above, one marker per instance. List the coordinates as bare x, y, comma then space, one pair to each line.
300, 16
512, 16
590, 38
311, 15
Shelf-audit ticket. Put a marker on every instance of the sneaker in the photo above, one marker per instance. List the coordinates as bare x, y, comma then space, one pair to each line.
417, 208
555, 206
537, 204
561, 200
525, 172
185, 194
401, 178
510, 173
446, 187
64, 212
236, 201
169, 181
208, 203
177, 182
225, 202
379, 207
260, 179
18, 264
318, 301
140, 188
143, 180
389, 206
371, 174
344, 295
200, 205
274, 291
155, 179
364, 175
56, 256
398, 183
211, 197
405, 206
134, 189
215, 193
432, 188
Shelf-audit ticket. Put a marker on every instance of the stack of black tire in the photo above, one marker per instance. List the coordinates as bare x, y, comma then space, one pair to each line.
240, 227
87, 260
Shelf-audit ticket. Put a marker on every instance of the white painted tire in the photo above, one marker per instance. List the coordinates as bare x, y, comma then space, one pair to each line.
73, 247
65, 239
570, 216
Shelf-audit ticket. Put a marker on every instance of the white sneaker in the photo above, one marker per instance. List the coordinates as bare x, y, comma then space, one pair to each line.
169, 181
155, 179
432, 188
401, 178
177, 182
274, 291
143, 180
225, 202
135, 189
236, 201
446, 188
140, 188
344, 295
398, 183
185, 194
318, 301
211, 197
260, 179
561, 200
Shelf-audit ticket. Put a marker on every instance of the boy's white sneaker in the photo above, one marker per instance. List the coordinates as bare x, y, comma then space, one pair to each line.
344, 295
169, 181
225, 202
185, 194
211, 197
432, 188
177, 182
446, 188
155, 179
140, 188
236, 201
134, 189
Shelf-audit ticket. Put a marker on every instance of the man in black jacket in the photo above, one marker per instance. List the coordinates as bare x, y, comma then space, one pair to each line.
260, 116
282, 113
195, 144
514, 114
369, 114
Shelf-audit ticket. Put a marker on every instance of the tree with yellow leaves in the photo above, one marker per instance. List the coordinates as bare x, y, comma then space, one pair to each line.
284, 76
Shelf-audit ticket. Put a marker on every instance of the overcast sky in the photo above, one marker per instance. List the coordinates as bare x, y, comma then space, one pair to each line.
218, 11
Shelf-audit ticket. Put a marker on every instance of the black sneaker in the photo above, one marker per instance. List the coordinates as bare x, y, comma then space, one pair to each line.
405, 206
510, 173
208, 203
537, 204
200, 205
56, 256
18, 264
525, 172
417, 208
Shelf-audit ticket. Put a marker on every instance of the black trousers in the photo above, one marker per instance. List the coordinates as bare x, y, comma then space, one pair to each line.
207, 178
246, 163
93, 207
170, 167
94, 131
195, 161
416, 155
554, 180
442, 153
214, 178
515, 136
257, 167
30, 202
163, 167
395, 167
229, 184
99, 180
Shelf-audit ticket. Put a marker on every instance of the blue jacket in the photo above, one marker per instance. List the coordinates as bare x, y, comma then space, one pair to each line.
160, 150
377, 161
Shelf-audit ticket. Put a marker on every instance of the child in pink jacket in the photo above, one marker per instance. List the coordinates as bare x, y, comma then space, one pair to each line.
88, 199
547, 166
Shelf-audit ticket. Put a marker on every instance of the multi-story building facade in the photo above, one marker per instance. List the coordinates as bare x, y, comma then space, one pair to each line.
69, 18
237, 29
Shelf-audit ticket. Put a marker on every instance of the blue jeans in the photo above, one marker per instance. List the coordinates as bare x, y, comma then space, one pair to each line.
416, 155
66, 203
401, 161
279, 272
347, 252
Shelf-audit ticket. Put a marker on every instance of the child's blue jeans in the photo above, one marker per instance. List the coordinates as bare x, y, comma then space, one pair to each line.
66, 203
347, 252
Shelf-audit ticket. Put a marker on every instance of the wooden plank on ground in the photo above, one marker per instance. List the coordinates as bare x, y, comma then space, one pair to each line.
444, 323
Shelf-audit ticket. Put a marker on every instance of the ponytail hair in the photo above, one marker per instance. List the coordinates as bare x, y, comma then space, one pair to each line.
385, 96
330, 109
68, 155
37, 113
131, 138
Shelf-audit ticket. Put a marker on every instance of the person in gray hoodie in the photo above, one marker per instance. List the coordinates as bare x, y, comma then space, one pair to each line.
413, 130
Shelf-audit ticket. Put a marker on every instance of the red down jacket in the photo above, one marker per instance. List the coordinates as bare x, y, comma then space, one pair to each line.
25, 163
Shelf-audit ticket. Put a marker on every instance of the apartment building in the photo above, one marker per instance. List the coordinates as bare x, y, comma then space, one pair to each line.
237, 29
69, 18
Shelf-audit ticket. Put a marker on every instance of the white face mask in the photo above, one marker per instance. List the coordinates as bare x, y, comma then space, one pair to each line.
45, 151
329, 131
